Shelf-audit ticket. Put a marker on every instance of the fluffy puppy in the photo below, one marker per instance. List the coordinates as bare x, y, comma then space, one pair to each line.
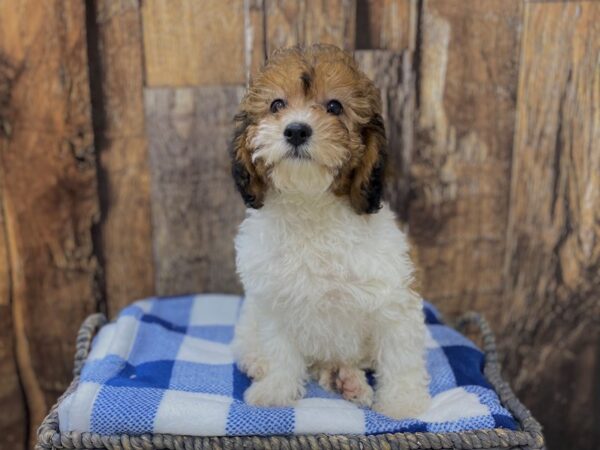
324, 266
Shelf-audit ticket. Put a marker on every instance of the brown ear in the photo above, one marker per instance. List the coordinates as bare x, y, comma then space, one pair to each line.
248, 182
367, 182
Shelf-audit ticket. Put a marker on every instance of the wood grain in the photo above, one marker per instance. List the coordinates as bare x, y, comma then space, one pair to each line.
48, 173
551, 329
195, 208
292, 22
13, 420
386, 24
254, 36
393, 74
124, 239
187, 42
460, 169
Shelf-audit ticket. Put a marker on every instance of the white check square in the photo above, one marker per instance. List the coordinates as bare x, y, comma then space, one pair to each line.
215, 309
325, 415
205, 352
191, 413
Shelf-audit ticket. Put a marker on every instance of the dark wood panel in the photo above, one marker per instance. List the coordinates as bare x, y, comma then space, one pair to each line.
460, 170
551, 329
124, 239
13, 420
195, 208
392, 72
49, 192
386, 24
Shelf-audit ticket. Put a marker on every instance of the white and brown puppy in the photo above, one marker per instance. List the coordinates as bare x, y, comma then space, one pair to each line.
325, 268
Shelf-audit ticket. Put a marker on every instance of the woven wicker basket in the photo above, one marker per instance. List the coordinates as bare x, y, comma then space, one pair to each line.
528, 437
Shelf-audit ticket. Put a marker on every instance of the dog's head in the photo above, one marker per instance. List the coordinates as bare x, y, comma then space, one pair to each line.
311, 122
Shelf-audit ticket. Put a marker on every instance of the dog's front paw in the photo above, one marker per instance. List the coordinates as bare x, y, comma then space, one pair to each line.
269, 392
404, 406
253, 365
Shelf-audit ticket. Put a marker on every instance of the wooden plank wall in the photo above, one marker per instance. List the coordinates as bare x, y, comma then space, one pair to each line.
124, 233
114, 181
552, 261
461, 163
49, 192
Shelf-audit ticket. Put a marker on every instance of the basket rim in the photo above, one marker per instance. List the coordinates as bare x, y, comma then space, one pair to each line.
529, 436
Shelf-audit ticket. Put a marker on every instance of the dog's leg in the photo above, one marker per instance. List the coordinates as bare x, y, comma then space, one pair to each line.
283, 382
245, 346
324, 374
402, 379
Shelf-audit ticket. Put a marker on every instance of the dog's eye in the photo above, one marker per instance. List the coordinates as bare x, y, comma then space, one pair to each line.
334, 107
277, 105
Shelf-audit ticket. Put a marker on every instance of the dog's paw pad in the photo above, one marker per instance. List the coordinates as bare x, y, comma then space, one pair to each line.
353, 385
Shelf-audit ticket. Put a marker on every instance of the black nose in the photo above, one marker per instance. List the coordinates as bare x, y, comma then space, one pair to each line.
297, 133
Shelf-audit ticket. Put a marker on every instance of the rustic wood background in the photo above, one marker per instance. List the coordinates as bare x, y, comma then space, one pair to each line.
114, 184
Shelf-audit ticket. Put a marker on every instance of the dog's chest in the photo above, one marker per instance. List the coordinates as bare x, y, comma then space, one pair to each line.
324, 277
324, 294
332, 255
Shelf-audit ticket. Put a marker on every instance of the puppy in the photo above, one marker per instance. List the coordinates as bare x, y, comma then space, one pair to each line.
324, 266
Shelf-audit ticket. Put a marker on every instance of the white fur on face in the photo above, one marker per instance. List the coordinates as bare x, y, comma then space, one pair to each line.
324, 153
301, 176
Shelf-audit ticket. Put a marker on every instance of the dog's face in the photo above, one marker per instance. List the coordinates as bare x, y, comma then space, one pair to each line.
311, 122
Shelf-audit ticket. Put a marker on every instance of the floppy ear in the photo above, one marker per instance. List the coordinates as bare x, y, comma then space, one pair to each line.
248, 182
366, 189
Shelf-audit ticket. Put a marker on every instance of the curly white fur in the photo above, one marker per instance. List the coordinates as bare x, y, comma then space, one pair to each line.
328, 292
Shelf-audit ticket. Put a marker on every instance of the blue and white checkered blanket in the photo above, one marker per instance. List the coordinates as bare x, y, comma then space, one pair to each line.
165, 366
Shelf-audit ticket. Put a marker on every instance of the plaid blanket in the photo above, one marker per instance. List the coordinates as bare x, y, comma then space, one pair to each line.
165, 366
